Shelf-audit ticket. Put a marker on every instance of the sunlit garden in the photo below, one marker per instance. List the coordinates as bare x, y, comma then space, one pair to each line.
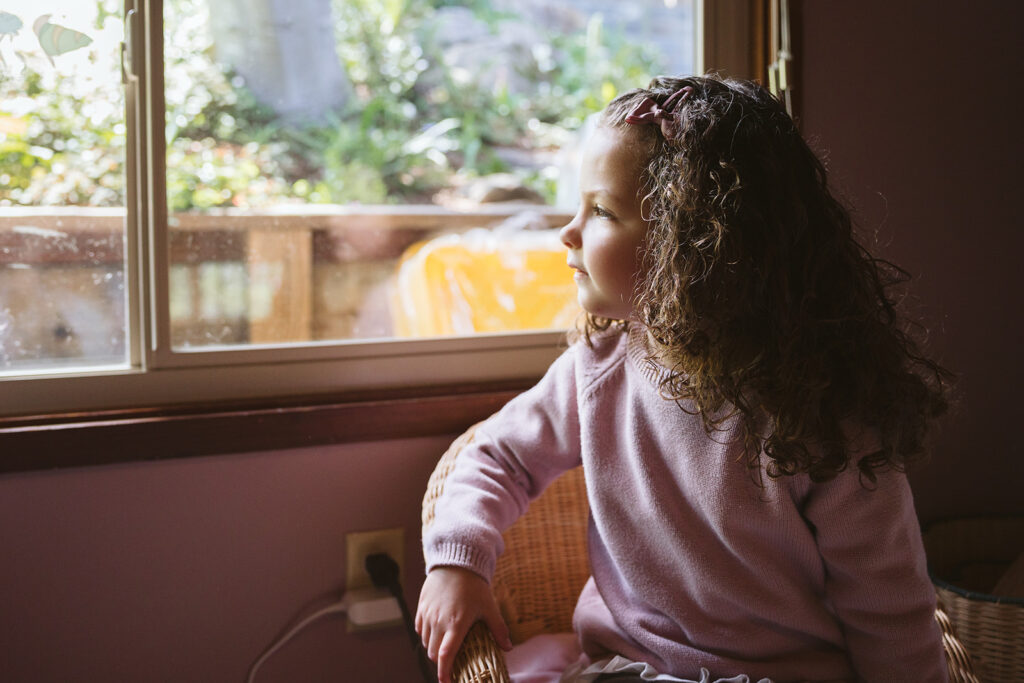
431, 95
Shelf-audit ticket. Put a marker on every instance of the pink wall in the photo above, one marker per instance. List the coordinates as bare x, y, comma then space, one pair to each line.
918, 106
186, 570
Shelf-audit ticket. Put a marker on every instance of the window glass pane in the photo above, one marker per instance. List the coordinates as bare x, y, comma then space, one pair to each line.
62, 147
317, 150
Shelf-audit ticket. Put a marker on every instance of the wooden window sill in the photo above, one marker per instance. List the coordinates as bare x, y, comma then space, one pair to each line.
107, 437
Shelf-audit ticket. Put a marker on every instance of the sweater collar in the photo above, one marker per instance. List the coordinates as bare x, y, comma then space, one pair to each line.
639, 354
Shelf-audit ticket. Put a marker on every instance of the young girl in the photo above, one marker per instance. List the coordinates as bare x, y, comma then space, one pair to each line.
742, 399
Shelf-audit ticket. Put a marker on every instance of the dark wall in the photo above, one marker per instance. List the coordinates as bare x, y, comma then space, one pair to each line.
916, 107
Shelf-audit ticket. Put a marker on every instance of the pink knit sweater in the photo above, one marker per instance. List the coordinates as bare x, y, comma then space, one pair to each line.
694, 565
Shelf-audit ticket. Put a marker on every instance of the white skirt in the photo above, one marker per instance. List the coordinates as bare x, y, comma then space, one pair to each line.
556, 658
583, 673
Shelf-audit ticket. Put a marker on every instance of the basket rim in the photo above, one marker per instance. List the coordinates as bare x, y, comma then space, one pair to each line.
975, 595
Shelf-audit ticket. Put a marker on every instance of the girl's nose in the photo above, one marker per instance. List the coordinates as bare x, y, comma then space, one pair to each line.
570, 233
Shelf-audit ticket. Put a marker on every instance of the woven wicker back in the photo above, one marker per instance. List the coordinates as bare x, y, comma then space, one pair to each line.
544, 566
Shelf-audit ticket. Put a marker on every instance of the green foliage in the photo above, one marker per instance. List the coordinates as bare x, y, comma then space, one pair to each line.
595, 66
412, 123
222, 145
62, 136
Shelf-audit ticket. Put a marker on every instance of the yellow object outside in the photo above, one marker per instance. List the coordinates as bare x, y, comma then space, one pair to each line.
484, 281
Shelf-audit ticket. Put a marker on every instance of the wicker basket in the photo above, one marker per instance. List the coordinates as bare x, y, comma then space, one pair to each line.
966, 557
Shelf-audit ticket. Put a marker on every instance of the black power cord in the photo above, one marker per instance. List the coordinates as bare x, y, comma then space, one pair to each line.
383, 571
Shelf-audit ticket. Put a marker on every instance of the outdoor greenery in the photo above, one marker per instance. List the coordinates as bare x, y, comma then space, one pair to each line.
413, 126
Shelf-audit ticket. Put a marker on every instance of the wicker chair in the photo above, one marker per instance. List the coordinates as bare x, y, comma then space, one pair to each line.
544, 567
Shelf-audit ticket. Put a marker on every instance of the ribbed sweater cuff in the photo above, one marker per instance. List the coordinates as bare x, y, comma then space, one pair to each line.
460, 555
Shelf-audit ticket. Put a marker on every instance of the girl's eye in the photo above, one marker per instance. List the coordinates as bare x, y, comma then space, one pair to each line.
601, 212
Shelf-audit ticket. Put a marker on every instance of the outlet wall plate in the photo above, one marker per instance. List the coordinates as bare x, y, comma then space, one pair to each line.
360, 544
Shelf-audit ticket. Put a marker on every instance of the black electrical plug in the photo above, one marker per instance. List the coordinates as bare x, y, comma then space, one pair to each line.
383, 571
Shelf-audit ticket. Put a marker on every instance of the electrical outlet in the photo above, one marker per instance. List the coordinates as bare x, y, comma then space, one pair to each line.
360, 544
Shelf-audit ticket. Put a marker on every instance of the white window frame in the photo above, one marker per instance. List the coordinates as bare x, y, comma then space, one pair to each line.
158, 375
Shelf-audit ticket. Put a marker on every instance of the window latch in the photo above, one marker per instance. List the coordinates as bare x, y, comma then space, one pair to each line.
128, 47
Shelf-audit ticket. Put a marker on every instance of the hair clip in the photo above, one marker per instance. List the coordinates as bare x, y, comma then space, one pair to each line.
650, 112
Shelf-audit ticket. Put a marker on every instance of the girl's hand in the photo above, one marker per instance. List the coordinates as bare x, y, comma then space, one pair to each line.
451, 601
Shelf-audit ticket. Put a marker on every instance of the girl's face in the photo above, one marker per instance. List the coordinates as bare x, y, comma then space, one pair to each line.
605, 236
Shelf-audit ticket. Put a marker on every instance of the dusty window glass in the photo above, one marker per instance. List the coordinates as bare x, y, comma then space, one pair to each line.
62, 146
352, 169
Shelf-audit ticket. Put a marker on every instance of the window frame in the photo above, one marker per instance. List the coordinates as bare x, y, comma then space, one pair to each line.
156, 375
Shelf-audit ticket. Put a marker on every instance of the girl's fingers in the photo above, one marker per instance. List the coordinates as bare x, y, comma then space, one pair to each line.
446, 656
432, 644
499, 629
432, 652
425, 634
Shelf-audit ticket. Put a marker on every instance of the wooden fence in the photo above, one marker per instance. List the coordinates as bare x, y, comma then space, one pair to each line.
306, 272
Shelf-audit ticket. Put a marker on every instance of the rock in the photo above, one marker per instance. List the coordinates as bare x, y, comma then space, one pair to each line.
502, 187
478, 55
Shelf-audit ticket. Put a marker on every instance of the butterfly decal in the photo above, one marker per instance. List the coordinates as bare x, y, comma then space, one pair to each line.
56, 39
53, 38
9, 27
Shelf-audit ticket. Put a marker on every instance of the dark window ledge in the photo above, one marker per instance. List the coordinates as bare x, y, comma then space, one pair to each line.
102, 438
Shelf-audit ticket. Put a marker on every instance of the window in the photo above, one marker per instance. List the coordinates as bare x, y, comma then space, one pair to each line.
62, 146
256, 199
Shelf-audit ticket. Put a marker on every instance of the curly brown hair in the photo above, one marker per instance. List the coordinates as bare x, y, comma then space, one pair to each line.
759, 299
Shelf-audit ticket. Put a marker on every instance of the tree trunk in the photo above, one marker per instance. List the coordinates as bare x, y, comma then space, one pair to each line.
285, 51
